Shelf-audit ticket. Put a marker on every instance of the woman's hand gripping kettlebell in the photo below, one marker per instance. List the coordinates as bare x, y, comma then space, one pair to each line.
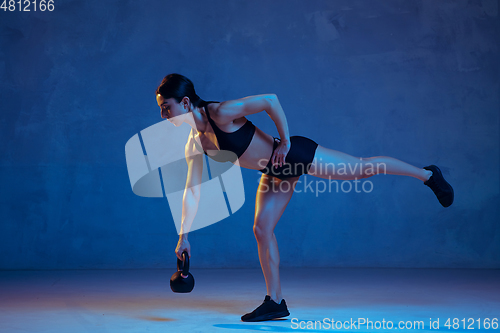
182, 245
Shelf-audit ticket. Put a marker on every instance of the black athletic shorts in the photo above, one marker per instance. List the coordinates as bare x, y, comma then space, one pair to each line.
298, 160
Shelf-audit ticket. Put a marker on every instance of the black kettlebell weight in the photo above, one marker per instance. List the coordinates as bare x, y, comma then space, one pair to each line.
182, 281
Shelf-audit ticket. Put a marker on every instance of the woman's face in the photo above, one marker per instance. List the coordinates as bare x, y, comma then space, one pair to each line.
172, 110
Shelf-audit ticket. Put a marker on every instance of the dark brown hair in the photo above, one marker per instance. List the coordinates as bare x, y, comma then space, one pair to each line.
178, 86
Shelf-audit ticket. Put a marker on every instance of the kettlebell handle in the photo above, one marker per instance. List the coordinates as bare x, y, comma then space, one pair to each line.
183, 265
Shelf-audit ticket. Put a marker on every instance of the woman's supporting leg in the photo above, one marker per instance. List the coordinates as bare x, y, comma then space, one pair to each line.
333, 164
272, 198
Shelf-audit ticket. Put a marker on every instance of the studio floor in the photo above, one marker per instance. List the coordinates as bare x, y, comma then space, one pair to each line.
141, 300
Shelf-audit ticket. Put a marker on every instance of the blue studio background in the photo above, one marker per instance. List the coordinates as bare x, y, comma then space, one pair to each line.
417, 80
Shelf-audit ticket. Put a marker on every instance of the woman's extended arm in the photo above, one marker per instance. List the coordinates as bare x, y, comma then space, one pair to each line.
191, 196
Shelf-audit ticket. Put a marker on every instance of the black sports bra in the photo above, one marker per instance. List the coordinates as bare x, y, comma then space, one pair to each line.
236, 142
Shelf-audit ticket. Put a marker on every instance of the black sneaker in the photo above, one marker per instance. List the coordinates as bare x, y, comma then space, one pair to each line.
268, 310
440, 187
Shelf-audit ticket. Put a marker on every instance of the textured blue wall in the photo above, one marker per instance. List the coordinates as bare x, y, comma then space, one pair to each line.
416, 80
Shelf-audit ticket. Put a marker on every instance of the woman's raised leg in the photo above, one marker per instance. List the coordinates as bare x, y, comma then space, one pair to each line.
333, 164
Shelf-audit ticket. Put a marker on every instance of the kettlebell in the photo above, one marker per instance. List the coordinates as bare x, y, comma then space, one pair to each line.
182, 281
